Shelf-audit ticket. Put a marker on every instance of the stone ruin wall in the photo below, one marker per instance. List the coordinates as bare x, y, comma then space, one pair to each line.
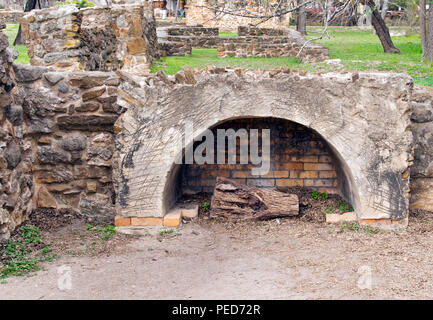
268, 48
59, 133
59, 143
16, 183
122, 37
196, 14
12, 16
19, 4
125, 37
421, 174
250, 42
13, 9
263, 42
346, 109
179, 40
12, 4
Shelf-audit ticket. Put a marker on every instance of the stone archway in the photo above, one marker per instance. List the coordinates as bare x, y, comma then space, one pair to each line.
296, 157
364, 117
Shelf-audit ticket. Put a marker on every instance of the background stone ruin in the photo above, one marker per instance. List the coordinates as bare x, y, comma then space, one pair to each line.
122, 37
262, 42
250, 42
11, 16
196, 13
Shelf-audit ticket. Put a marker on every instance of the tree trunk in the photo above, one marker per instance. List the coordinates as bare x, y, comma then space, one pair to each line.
423, 26
29, 6
301, 23
384, 9
428, 37
175, 12
239, 201
381, 29
368, 15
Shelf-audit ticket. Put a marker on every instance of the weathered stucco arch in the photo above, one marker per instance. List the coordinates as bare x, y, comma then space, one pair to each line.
347, 184
364, 117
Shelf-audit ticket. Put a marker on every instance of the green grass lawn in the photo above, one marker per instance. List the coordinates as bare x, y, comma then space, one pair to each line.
228, 34
201, 58
11, 31
361, 50
358, 49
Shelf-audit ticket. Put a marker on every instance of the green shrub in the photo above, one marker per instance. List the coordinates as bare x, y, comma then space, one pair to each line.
19, 259
329, 210
317, 195
205, 206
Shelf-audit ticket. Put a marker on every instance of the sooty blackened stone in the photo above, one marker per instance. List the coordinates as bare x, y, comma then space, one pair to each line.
74, 142
51, 156
15, 115
12, 154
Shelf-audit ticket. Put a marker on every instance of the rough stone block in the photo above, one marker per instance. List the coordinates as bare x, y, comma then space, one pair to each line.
189, 214
345, 217
421, 194
44, 199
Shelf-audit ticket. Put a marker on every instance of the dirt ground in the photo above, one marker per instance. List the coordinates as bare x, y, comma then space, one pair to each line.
211, 259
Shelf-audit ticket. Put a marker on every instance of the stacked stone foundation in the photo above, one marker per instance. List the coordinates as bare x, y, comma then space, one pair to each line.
261, 42
179, 40
250, 42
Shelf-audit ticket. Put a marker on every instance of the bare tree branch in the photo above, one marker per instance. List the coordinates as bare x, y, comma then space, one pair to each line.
277, 13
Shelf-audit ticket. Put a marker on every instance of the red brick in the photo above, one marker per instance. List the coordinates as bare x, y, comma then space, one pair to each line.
269, 174
316, 144
318, 166
318, 182
304, 158
289, 182
304, 174
328, 190
281, 174
243, 181
328, 174
208, 189
147, 221
208, 174
240, 174
375, 221
122, 222
316, 151
290, 166
223, 173
327, 159
173, 218
261, 182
